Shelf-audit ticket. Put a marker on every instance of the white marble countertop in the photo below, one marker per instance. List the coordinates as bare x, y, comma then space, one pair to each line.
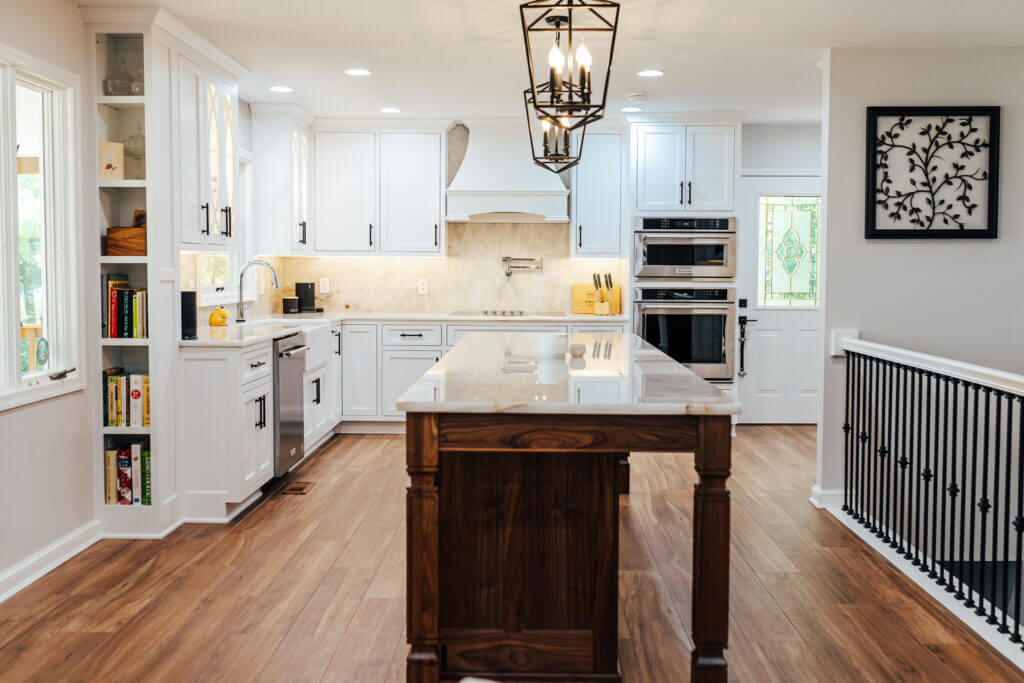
618, 374
261, 330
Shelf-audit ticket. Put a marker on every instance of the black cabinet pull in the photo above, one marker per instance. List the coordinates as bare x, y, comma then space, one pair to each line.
316, 399
258, 364
263, 411
302, 224
371, 234
404, 335
227, 221
206, 208
689, 189
435, 234
682, 191
338, 336
579, 239
231, 222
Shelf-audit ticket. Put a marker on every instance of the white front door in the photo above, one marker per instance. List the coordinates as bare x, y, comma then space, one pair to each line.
779, 277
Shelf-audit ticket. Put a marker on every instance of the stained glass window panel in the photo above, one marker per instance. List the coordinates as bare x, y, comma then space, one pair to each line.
787, 251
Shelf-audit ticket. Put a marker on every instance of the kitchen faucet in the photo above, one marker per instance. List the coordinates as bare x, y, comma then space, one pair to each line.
241, 276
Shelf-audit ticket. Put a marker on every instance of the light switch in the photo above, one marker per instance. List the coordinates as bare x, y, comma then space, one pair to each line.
422, 286
325, 285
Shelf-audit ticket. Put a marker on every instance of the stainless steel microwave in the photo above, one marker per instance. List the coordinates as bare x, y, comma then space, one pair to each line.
684, 247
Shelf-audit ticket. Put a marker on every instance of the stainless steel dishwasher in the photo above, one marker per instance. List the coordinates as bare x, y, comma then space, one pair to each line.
289, 426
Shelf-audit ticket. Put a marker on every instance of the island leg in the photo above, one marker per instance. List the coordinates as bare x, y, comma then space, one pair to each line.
711, 550
423, 663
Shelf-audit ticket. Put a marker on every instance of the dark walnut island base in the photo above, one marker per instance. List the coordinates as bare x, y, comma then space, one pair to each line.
515, 466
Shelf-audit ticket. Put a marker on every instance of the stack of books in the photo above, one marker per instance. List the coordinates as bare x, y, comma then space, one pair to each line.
128, 475
125, 398
125, 310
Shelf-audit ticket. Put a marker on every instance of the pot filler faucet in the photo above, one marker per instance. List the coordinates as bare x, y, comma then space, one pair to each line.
241, 277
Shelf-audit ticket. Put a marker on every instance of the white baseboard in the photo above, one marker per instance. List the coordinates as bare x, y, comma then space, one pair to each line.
371, 427
14, 578
823, 498
999, 641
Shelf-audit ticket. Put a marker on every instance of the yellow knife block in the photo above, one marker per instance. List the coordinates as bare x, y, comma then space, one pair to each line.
585, 300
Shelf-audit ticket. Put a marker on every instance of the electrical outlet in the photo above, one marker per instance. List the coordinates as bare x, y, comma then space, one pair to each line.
422, 286
325, 285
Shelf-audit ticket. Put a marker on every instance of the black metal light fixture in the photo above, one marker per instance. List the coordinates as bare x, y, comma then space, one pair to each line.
567, 34
559, 147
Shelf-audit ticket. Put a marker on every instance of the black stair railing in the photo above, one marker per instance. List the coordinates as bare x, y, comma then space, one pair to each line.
934, 467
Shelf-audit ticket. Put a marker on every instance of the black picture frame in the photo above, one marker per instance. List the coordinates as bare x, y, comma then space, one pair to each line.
873, 231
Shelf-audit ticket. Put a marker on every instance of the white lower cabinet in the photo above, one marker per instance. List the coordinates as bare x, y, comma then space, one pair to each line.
315, 411
359, 370
399, 370
597, 391
252, 463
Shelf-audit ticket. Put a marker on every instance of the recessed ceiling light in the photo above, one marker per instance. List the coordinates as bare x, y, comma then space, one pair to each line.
390, 110
357, 71
650, 73
631, 110
281, 88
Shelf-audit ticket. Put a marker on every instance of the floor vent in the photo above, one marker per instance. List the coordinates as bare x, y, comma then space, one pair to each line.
298, 488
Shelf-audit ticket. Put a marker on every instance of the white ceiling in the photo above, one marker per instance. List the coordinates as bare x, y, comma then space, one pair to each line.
464, 58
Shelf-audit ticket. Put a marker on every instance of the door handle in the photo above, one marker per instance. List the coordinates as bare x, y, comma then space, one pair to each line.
294, 351
743, 320
206, 208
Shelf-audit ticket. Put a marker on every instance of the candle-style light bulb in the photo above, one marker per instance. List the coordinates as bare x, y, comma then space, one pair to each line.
585, 60
564, 123
556, 62
546, 127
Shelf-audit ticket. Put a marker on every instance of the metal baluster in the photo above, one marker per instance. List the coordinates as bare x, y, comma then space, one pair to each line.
861, 438
926, 473
918, 455
886, 460
984, 505
894, 531
876, 461
1018, 522
1005, 601
996, 510
974, 487
904, 461
964, 497
954, 488
847, 431
940, 491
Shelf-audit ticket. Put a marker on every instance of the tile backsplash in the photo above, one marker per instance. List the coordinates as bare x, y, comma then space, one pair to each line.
470, 279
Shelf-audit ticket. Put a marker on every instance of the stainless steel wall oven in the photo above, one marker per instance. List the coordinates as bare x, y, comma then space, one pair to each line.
693, 323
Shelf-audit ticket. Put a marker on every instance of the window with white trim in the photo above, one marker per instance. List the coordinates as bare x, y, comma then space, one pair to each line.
38, 229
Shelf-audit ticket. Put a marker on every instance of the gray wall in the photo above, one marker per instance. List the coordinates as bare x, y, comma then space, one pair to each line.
957, 298
46, 449
778, 146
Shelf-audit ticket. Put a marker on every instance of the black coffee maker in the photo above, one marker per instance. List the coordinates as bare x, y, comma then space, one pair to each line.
307, 296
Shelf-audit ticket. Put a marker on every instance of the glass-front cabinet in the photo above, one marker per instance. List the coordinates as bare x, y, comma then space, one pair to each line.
208, 164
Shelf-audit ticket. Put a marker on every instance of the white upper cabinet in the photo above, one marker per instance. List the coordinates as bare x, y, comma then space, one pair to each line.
596, 197
710, 168
410, 192
281, 196
661, 154
685, 168
207, 109
345, 192
194, 215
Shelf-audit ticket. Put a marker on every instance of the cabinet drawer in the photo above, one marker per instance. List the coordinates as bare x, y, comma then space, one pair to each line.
257, 363
410, 335
457, 332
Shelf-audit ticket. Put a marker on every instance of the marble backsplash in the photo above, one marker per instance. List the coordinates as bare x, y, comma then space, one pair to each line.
469, 280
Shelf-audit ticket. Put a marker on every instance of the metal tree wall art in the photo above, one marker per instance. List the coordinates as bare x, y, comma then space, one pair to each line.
932, 172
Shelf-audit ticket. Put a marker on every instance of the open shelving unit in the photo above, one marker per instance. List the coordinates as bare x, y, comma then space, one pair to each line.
116, 118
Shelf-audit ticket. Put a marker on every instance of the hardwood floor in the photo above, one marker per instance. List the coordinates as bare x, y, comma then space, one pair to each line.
309, 588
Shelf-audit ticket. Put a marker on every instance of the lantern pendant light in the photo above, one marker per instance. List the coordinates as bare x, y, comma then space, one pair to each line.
559, 148
559, 31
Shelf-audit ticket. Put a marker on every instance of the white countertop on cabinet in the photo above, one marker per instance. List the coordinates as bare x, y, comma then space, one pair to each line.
491, 372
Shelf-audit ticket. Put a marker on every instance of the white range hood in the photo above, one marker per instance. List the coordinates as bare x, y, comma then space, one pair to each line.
498, 181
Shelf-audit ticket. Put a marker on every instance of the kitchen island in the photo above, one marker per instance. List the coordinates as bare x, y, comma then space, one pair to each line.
514, 451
